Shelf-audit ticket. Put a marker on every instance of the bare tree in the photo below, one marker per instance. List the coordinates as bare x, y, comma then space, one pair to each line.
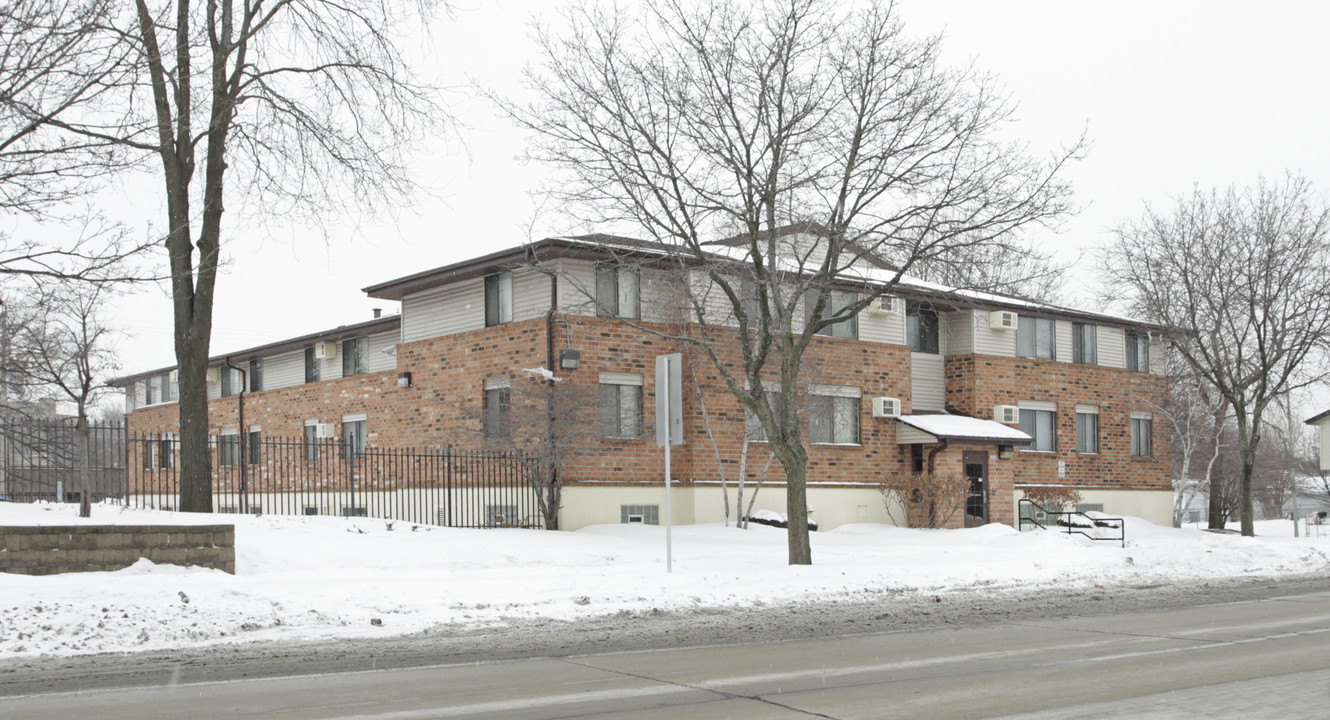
1244, 278
65, 349
698, 121
286, 109
1198, 419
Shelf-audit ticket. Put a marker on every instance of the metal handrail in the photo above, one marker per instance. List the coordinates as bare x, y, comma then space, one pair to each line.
1071, 529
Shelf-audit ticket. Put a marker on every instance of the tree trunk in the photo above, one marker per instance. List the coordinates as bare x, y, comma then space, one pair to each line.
796, 514
195, 463
82, 460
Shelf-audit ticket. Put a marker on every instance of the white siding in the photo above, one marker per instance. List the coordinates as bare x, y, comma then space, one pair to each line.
1112, 347
958, 329
531, 295
1062, 340
137, 396
286, 370
377, 360
881, 327
990, 341
577, 287
906, 435
928, 382
448, 310
1324, 432
659, 296
1157, 364
215, 388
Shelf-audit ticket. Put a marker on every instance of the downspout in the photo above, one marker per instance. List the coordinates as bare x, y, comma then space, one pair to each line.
243, 460
549, 398
932, 503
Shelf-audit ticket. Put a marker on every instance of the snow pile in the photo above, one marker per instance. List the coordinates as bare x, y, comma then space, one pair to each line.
305, 578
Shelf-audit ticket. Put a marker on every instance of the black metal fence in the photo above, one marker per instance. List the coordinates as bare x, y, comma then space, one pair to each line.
279, 476
39, 460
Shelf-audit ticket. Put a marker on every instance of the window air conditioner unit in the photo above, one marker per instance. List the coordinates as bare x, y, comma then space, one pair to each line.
214, 374
889, 306
325, 350
174, 376
1007, 414
1002, 320
323, 431
886, 407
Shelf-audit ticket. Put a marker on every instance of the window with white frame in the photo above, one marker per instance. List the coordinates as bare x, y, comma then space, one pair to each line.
621, 405
643, 514
311, 365
1138, 351
1142, 434
149, 453
150, 391
837, 301
311, 440
255, 445
169, 389
618, 291
1035, 338
833, 414
922, 332
1083, 339
166, 446
231, 381
255, 374
354, 356
497, 410
1087, 429
498, 298
228, 447
1039, 421
354, 436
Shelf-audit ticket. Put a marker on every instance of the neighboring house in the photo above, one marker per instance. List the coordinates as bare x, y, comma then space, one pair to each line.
1012, 393
1322, 423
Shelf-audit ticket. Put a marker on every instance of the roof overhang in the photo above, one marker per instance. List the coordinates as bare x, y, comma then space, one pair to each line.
931, 428
1318, 419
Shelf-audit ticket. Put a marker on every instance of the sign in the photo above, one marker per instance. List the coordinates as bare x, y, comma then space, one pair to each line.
669, 399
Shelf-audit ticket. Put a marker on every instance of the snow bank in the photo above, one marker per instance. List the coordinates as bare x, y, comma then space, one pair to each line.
306, 578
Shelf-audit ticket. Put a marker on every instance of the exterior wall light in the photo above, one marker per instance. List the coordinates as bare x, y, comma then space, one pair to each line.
569, 359
1006, 452
403, 379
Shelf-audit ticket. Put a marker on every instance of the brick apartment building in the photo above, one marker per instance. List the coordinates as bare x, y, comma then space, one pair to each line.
1013, 393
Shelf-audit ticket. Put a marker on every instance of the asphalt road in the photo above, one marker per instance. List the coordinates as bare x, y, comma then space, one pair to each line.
1254, 657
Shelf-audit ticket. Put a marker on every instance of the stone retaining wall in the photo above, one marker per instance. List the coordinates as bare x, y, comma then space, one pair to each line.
52, 550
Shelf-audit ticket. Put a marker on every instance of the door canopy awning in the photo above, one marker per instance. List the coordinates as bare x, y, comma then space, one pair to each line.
937, 427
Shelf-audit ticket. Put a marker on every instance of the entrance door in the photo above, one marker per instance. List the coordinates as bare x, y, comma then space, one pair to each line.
976, 505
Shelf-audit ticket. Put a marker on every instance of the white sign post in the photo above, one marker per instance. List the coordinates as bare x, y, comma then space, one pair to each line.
669, 425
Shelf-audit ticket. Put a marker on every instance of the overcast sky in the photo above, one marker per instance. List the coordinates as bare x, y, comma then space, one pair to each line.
1170, 94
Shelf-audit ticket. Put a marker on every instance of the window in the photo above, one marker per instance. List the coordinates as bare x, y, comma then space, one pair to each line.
168, 388
354, 438
621, 405
1083, 337
1087, 429
311, 440
837, 301
229, 448
833, 415
498, 298
256, 374
1142, 431
916, 458
502, 516
150, 391
1034, 338
752, 426
644, 514
354, 352
921, 328
1089, 507
617, 292
255, 446
167, 448
1138, 352
497, 412
311, 366
1042, 426
232, 383
148, 453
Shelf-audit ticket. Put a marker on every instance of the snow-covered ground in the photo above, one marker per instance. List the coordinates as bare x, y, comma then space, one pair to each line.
323, 578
